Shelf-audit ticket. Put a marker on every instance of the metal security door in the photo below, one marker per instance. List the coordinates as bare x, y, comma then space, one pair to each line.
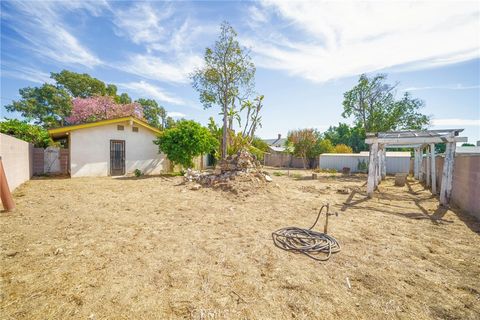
117, 157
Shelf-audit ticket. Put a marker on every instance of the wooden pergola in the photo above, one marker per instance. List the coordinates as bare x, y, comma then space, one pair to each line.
419, 141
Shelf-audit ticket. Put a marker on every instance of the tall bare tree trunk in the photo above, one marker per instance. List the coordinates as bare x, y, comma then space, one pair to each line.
225, 130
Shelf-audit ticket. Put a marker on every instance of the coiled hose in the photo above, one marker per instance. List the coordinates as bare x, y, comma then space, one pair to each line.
311, 243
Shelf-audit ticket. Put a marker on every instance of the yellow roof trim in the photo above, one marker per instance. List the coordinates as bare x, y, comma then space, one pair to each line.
58, 131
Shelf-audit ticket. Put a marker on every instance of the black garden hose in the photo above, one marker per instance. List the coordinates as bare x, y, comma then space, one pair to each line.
311, 243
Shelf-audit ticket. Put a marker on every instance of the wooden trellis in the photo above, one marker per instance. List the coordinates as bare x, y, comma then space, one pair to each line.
420, 141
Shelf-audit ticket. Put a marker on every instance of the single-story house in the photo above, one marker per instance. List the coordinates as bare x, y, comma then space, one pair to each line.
112, 147
276, 145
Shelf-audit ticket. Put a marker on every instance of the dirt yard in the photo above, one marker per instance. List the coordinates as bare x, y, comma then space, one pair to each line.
150, 248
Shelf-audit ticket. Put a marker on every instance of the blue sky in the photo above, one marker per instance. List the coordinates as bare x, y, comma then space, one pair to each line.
307, 53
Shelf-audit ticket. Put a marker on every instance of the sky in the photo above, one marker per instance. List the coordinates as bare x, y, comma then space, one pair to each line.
307, 54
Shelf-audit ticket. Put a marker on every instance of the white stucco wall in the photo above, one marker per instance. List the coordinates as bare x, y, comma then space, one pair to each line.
90, 150
17, 160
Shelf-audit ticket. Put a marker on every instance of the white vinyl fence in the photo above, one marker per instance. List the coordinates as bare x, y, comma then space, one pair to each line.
397, 162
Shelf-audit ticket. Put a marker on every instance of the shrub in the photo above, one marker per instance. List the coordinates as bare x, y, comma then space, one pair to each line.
27, 132
324, 146
188, 139
138, 173
362, 165
342, 148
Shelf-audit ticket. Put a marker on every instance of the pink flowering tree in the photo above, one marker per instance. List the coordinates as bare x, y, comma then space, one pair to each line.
102, 108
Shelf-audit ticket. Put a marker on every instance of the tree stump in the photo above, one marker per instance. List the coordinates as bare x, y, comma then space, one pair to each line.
400, 179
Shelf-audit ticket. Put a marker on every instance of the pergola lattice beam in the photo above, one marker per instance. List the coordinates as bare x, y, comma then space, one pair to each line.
414, 140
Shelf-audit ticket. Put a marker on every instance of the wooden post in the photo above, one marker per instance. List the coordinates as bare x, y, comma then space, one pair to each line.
416, 169
371, 169
421, 173
432, 167
447, 175
384, 163
379, 163
5, 194
427, 168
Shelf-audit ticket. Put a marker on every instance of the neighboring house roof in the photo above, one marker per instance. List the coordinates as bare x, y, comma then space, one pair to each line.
277, 144
278, 149
56, 132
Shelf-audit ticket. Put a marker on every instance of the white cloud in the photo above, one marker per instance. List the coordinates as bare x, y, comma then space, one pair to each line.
175, 114
151, 91
171, 40
456, 122
257, 15
457, 86
26, 73
156, 68
341, 39
142, 23
45, 34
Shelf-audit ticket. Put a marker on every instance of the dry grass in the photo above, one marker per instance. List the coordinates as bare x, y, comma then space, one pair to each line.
148, 248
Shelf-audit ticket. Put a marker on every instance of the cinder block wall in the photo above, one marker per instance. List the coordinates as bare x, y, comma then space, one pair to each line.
64, 161
283, 160
466, 184
38, 161
17, 159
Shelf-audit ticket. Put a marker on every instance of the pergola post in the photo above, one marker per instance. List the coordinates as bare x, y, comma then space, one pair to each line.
378, 166
427, 168
432, 167
384, 162
421, 174
371, 169
416, 169
447, 175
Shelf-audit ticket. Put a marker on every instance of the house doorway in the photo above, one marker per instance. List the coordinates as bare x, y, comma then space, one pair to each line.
117, 157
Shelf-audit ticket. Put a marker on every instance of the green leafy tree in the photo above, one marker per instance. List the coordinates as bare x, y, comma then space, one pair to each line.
47, 105
440, 148
216, 131
155, 115
227, 75
124, 98
80, 85
51, 104
353, 137
260, 145
372, 103
323, 146
304, 143
111, 90
170, 123
36, 135
188, 139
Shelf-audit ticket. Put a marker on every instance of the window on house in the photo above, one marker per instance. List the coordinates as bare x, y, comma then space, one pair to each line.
119, 127
135, 129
